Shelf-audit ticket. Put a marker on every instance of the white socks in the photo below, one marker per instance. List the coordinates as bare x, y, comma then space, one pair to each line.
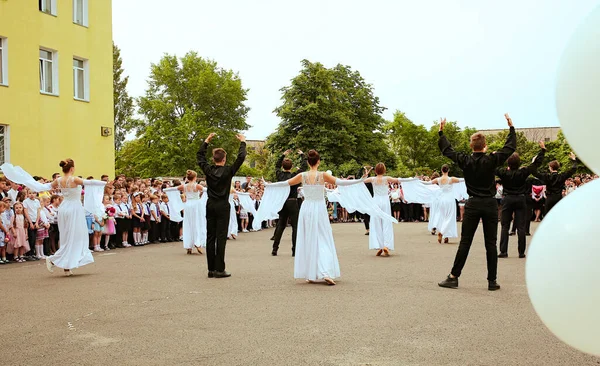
39, 250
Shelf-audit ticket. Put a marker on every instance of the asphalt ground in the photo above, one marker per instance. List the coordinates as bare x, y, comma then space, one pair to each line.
154, 305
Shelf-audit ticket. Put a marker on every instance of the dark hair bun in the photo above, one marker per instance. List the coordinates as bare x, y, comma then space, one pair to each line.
62, 163
313, 157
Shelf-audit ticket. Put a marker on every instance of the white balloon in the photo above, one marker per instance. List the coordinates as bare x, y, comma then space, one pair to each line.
562, 269
578, 91
329, 172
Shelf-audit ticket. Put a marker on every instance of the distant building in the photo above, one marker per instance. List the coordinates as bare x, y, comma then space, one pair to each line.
254, 145
535, 134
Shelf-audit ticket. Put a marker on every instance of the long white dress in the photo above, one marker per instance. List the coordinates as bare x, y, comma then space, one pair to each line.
194, 220
381, 233
316, 257
233, 226
444, 217
74, 239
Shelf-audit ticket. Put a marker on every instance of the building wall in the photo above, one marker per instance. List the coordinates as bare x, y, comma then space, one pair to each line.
44, 129
534, 134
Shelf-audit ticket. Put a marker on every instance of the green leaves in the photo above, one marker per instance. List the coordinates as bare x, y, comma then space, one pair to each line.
123, 103
335, 112
186, 99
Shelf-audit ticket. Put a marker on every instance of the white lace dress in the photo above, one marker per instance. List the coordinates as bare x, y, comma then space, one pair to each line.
444, 217
74, 249
233, 226
381, 233
194, 219
316, 257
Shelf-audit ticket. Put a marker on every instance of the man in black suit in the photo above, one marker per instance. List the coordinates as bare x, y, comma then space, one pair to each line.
514, 183
290, 208
218, 181
480, 177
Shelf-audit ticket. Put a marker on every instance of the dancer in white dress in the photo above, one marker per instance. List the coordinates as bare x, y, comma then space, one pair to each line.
74, 238
194, 214
316, 257
381, 234
232, 230
444, 217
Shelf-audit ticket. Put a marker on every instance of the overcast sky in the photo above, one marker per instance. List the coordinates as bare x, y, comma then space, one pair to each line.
467, 60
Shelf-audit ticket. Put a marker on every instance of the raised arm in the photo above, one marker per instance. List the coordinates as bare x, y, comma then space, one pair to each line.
278, 164
537, 161
509, 146
303, 164
201, 155
566, 175
241, 154
447, 149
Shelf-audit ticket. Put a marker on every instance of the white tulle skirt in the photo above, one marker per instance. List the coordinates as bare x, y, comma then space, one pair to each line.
74, 249
194, 224
381, 232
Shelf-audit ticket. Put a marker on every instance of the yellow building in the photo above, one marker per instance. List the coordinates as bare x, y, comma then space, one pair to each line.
56, 91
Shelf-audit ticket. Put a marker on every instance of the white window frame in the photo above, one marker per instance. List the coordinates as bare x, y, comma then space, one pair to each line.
84, 4
52, 6
6, 136
54, 71
4, 61
86, 79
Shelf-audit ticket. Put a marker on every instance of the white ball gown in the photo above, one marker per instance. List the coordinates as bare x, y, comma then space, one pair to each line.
74, 239
381, 232
316, 257
194, 219
443, 211
233, 226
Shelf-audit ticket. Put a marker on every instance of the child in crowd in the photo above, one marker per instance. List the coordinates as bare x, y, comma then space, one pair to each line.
98, 231
123, 219
146, 226
165, 223
4, 234
52, 215
154, 219
137, 212
31, 206
19, 233
42, 225
109, 226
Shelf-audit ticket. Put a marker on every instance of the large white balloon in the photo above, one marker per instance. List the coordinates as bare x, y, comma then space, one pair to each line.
563, 269
329, 172
578, 91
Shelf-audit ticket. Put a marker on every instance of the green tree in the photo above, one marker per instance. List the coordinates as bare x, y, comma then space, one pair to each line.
123, 103
335, 112
186, 99
412, 143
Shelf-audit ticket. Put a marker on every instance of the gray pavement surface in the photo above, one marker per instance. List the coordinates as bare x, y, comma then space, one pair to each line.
155, 306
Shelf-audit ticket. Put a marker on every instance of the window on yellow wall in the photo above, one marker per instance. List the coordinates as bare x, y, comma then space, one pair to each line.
80, 12
48, 72
3, 61
47, 6
80, 79
3, 144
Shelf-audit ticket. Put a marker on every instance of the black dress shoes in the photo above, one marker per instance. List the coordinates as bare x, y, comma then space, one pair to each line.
503, 255
274, 253
222, 274
449, 282
493, 286
521, 256
211, 274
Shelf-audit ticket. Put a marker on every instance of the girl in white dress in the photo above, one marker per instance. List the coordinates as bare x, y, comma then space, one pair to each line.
316, 257
232, 230
74, 239
381, 234
445, 207
194, 218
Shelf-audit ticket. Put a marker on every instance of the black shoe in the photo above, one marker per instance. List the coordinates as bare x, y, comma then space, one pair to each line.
272, 238
493, 286
293, 253
521, 256
503, 255
274, 253
512, 233
222, 274
211, 274
367, 233
528, 234
449, 282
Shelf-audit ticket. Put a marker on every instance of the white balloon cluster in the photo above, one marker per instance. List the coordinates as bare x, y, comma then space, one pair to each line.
563, 265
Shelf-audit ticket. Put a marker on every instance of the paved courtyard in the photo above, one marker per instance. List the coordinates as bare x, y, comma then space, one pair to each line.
155, 306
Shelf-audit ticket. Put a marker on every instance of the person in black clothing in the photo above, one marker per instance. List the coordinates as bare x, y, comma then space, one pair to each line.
555, 181
218, 181
479, 169
365, 173
290, 208
514, 183
531, 181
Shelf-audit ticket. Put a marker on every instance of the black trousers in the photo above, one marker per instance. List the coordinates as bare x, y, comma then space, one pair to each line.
528, 215
174, 230
367, 219
407, 212
154, 231
165, 229
551, 201
31, 238
517, 206
290, 210
217, 223
486, 210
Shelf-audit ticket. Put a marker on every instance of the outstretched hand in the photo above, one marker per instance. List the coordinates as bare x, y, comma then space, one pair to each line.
508, 119
300, 152
442, 123
210, 137
543, 145
241, 137
286, 152
572, 156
